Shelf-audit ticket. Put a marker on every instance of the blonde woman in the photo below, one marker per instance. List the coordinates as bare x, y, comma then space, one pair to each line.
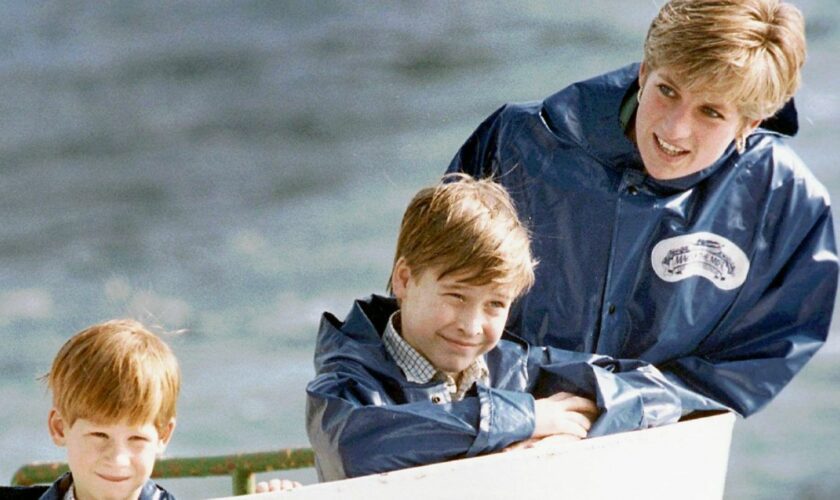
672, 221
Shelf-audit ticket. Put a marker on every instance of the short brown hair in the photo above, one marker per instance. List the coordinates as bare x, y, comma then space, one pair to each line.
467, 225
748, 52
115, 371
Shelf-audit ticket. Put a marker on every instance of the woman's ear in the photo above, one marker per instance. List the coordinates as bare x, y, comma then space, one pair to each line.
57, 427
400, 278
746, 129
749, 127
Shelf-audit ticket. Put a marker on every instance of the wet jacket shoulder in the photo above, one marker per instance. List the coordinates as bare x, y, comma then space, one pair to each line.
724, 279
363, 416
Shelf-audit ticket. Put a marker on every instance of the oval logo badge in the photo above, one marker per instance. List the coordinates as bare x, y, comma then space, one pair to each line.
700, 254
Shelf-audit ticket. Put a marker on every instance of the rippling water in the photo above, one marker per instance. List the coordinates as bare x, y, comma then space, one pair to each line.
229, 170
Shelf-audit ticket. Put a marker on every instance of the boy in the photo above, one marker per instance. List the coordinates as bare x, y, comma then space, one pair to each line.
423, 377
114, 388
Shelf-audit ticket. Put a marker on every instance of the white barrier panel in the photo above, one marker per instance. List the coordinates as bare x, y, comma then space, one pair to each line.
687, 460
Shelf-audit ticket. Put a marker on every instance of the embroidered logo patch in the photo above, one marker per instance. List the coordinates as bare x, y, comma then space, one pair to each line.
700, 254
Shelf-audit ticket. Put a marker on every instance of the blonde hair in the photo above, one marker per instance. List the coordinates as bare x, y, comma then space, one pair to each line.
467, 225
747, 52
115, 371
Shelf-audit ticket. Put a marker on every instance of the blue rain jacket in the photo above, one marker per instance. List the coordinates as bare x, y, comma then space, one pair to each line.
363, 416
724, 279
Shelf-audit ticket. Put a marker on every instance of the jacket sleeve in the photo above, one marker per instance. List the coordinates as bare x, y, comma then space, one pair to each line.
770, 334
631, 394
356, 429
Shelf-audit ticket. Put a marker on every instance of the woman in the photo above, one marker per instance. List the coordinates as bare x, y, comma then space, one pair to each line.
671, 221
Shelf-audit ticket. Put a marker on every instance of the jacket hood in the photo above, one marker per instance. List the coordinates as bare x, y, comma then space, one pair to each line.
588, 114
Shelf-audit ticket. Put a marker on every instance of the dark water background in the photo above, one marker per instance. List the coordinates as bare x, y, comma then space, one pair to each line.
229, 170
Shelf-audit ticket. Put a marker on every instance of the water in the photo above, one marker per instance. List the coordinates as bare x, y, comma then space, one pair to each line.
229, 170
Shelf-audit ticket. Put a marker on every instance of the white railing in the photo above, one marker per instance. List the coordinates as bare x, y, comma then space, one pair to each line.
687, 460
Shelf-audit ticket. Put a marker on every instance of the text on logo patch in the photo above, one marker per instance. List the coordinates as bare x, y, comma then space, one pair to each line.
707, 255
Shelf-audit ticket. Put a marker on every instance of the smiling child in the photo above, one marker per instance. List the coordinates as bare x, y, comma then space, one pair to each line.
115, 387
423, 377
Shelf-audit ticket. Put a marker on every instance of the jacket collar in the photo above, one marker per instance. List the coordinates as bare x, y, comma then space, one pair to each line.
359, 336
58, 489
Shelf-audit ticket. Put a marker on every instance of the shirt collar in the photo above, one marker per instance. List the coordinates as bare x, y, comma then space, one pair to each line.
415, 366
628, 109
419, 370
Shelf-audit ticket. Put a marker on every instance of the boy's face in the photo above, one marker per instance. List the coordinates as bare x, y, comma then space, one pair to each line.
108, 461
448, 321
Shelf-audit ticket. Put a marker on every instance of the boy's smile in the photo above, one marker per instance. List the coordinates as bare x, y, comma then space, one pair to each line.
447, 320
108, 461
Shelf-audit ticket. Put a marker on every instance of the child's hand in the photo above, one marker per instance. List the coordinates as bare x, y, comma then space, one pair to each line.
277, 485
564, 413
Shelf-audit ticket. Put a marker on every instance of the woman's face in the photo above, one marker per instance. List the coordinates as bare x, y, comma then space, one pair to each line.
679, 132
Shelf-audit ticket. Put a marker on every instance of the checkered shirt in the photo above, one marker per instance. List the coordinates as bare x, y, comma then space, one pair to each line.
419, 370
